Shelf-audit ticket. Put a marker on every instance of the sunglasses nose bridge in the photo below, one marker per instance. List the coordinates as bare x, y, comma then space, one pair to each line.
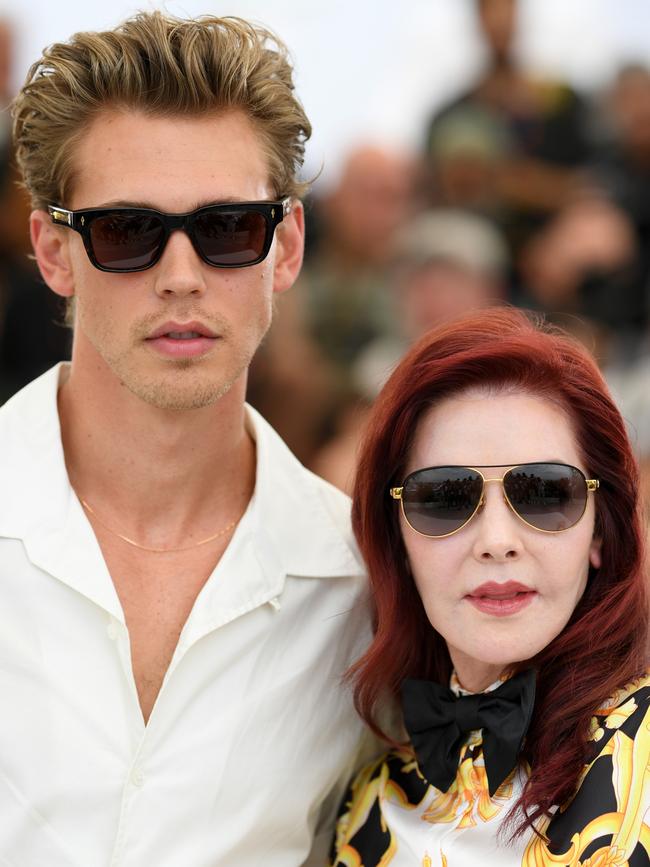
501, 481
181, 223
178, 222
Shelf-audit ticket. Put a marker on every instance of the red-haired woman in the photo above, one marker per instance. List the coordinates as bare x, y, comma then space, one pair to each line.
496, 506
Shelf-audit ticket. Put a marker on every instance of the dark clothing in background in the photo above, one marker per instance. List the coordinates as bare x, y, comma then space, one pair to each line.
32, 334
555, 130
627, 185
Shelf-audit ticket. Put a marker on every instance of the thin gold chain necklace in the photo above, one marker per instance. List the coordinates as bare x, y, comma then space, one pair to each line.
126, 539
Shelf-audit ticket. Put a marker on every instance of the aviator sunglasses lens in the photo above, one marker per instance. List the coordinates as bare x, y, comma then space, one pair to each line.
550, 497
236, 237
439, 500
126, 242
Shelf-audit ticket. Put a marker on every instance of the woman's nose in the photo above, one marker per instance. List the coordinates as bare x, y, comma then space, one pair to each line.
498, 531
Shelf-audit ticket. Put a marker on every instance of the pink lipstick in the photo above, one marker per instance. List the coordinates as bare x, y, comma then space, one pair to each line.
501, 600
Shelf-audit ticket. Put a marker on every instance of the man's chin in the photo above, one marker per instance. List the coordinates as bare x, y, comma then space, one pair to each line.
179, 396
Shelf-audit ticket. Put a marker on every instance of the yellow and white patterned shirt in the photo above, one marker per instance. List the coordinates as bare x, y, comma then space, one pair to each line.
392, 816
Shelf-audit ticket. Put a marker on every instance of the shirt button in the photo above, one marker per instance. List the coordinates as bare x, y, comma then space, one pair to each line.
137, 777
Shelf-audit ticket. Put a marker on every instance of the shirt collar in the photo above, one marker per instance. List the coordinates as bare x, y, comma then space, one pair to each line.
299, 517
297, 523
458, 689
33, 468
41, 509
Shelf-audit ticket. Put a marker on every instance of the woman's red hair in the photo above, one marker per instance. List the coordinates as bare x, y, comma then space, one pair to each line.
604, 645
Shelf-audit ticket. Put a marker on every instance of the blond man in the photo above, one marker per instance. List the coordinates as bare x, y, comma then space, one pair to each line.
179, 595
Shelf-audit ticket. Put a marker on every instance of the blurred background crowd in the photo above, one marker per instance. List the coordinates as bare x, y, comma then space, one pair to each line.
522, 191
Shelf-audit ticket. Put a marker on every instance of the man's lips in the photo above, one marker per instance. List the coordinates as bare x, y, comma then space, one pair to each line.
177, 340
182, 331
501, 600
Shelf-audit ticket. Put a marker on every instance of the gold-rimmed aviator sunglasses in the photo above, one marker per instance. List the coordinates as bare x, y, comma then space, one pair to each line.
547, 496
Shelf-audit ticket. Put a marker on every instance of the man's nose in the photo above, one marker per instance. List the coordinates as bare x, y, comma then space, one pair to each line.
180, 271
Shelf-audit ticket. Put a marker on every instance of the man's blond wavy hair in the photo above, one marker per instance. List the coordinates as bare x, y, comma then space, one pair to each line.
158, 65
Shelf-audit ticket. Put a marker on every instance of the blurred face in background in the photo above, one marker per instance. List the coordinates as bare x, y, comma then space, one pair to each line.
630, 103
369, 204
440, 291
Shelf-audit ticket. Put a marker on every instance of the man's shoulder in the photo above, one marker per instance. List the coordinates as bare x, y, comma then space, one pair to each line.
309, 518
337, 503
29, 421
32, 462
34, 400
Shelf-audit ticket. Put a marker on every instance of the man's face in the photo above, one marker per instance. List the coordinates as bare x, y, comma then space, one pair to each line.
175, 165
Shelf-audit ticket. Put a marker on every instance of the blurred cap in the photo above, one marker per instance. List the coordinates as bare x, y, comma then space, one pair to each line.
453, 236
470, 131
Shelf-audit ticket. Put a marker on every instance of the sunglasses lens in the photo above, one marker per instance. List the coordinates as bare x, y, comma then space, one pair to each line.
547, 496
126, 242
234, 238
439, 500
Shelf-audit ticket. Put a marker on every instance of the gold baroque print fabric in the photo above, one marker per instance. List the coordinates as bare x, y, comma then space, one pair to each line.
392, 816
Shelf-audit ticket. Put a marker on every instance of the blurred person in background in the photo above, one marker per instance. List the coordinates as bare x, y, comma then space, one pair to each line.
585, 267
620, 172
446, 263
509, 147
302, 376
630, 385
589, 267
621, 169
344, 280
32, 333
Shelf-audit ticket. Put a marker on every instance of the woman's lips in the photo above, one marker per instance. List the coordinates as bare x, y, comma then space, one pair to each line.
501, 600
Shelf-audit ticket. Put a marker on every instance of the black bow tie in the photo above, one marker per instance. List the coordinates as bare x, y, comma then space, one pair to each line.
437, 722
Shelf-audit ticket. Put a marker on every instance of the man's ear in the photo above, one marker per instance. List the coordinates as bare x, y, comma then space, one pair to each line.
290, 240
51, 250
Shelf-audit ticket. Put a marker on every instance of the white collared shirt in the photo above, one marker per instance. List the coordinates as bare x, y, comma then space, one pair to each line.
252, 738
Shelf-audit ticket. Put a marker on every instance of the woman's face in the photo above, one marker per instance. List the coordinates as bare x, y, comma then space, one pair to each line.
496, 547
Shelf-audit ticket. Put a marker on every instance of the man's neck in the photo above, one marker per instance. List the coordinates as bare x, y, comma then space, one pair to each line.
164, 477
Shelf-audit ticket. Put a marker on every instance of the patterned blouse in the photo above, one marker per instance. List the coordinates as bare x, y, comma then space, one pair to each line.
392, 816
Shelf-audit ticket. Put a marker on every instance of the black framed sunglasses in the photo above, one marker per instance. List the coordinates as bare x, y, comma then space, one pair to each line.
122, 240
440, 501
